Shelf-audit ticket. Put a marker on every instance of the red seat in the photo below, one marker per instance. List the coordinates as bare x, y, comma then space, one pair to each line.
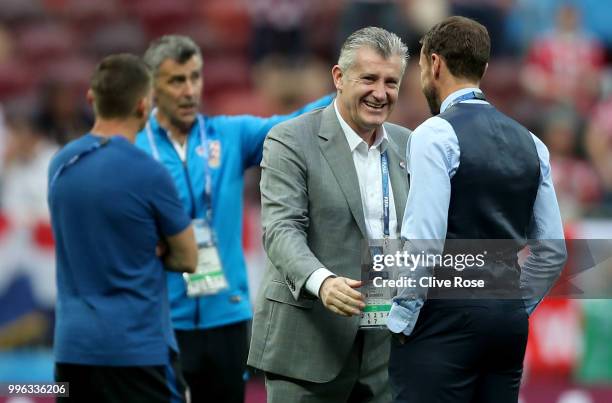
88, 15
15, 79
225, 72
238, 102
20, 10
157, 15
118, 37
38, 42
74, 71
230, 21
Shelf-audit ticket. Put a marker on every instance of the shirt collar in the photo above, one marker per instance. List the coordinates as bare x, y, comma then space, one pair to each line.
153, 123
158, 129
449, 99
353, 138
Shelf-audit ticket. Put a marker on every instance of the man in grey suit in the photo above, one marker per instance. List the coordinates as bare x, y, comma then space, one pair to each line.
331, 179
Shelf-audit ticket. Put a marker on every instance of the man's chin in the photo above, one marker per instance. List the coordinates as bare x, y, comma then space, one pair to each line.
184, 122
374, 122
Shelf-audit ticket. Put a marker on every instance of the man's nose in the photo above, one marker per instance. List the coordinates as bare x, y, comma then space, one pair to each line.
190, 88
379, 91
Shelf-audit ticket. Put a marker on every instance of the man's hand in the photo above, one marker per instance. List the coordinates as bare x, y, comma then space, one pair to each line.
338, 294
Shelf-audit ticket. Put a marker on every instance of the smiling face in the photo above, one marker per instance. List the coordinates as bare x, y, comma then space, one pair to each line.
368, 90
178, 91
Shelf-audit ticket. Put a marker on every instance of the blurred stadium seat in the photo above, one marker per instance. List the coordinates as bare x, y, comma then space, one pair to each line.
48, 41
16, 78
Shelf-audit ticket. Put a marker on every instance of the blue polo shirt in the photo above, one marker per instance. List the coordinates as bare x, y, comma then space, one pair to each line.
109, 209
224, 146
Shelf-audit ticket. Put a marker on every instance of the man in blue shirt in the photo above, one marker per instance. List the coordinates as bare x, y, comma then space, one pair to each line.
113, 208
206, 157
475, 174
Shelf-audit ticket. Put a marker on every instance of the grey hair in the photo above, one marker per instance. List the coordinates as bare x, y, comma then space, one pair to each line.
175, 47
386, 43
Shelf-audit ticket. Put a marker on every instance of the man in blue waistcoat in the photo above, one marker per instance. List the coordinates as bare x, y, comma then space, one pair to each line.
480, 183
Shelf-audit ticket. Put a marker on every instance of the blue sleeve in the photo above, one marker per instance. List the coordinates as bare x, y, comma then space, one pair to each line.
254, 129
547, 251
433, 158
167, 207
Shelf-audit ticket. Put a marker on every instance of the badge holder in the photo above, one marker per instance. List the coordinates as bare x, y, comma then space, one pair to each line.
209, 278
377, 299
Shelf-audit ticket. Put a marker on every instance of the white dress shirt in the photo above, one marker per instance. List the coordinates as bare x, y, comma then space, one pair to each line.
368, 167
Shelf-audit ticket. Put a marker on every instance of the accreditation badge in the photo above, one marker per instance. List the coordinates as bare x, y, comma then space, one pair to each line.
209, 278
377, 299
214, 153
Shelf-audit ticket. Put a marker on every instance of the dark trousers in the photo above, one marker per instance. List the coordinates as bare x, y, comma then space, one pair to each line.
461, 351
134, 384
363, 377
214, 362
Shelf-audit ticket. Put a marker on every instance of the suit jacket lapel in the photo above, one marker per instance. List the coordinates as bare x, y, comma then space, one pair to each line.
399, 179
336, 151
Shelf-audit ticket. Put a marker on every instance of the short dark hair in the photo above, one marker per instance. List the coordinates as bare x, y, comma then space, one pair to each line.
118, 83
463, 43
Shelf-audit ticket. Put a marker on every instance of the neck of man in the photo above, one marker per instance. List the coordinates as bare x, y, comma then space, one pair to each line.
367, 135
127, 128
453, 85
178, 133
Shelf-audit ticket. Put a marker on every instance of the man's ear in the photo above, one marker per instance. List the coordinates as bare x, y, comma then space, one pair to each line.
90, 97
154, 93
436, 65
485, 71
142, 107
337, 75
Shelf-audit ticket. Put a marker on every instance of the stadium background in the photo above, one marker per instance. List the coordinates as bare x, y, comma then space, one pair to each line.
550, 70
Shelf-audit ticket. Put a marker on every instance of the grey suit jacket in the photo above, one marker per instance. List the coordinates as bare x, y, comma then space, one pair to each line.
312, 217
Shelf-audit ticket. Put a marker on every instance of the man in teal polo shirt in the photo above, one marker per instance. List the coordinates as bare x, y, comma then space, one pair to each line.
206, 156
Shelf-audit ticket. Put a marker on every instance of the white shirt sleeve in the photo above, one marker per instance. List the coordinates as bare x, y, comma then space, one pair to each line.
314, 282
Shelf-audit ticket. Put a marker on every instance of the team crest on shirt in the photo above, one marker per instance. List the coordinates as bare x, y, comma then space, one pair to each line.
214, 153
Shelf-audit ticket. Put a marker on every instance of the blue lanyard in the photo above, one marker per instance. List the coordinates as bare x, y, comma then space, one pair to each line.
466, 97
384, 167
205, 154
62, 168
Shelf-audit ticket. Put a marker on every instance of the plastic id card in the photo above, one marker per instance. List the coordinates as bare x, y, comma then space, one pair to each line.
378, 304
209, 278
377, 299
